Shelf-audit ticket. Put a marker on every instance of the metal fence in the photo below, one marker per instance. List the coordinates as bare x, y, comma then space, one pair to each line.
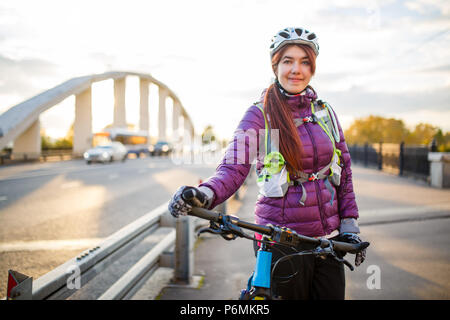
44, 155
401, 159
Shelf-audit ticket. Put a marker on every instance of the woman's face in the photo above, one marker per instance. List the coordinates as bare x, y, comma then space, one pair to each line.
294, 70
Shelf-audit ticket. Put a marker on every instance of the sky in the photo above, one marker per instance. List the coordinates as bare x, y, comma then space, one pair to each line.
379, 57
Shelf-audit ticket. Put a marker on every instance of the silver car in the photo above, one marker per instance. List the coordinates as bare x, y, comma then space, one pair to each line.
106, 153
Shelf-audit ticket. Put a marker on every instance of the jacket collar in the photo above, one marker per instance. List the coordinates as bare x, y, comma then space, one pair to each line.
303, 100
300, 101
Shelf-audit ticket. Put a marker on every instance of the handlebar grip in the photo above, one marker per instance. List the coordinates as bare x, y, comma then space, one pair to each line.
194, 197
205, 214
350, 247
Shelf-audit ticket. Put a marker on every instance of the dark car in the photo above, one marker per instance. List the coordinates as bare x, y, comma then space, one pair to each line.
161, 148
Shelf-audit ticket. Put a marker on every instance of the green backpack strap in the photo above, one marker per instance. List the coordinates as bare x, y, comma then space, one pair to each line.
323, 119
266, 125
329, 119
273, 160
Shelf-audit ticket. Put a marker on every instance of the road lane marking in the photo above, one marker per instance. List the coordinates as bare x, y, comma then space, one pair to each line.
72, 184
46, 173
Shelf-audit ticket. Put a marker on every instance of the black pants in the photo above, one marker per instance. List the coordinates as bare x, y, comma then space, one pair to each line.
315, 278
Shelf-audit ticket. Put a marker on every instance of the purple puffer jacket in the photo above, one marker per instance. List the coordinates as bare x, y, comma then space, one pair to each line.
318, 217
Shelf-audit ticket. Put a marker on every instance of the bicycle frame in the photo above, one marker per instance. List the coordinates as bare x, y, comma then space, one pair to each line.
259, 284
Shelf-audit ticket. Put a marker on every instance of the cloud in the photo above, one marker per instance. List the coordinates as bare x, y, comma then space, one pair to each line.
16, 75
358, 102
439, 69
429, 6
22, 79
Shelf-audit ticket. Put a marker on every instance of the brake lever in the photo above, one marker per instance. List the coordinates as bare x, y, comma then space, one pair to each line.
209, 230
322, 252
348, 264
215, 229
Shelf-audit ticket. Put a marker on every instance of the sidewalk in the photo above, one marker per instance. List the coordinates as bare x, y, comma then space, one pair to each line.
224, 267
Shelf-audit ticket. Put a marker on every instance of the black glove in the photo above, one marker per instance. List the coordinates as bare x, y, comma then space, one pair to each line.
178, 206
353, 238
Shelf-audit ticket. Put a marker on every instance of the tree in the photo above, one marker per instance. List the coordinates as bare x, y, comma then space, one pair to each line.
423, 134
47, 143
442, 141
208, 135
374, 129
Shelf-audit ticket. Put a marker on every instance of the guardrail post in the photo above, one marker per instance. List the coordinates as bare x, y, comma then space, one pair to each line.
366, 154
184, 251
380, 156
401, 159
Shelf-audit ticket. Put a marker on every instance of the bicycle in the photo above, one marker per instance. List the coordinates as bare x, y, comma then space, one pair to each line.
259, 284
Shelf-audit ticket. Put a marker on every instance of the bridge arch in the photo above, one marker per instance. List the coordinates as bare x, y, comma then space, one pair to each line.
20, 124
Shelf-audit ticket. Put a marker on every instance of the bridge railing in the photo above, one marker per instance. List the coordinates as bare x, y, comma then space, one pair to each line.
44, 155
61, 283
401, 159
173, 248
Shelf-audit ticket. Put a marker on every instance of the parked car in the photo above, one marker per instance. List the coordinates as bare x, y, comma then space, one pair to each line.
160, 148
106, 153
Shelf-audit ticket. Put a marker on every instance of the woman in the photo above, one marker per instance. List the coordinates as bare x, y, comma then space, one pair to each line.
313, 152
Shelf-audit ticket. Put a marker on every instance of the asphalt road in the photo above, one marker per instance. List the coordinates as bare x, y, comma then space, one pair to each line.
50, 212
411, 260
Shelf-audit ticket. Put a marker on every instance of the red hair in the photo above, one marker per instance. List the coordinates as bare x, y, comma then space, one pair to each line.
279, 112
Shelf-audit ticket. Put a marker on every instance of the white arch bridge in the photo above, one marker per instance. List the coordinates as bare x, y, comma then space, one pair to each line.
20, 124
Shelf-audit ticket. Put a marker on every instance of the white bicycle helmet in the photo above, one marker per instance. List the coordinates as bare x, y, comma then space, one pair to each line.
293, 35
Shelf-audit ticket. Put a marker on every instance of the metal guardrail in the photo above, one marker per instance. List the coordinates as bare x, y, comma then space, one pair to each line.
44, 155
58, 283
61, 154
55, 284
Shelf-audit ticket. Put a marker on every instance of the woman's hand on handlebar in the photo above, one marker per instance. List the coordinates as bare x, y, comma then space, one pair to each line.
181, 205
354, 238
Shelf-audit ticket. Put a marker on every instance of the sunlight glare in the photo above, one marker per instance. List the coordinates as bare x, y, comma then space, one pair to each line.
102, 104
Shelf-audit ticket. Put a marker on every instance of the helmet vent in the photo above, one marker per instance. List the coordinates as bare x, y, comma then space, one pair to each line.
284, 35
299, 32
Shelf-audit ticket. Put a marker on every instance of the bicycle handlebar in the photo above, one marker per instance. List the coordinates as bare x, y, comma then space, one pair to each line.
218, 217
194, 197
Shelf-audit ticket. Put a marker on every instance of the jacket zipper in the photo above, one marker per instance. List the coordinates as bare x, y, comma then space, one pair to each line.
316, 185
